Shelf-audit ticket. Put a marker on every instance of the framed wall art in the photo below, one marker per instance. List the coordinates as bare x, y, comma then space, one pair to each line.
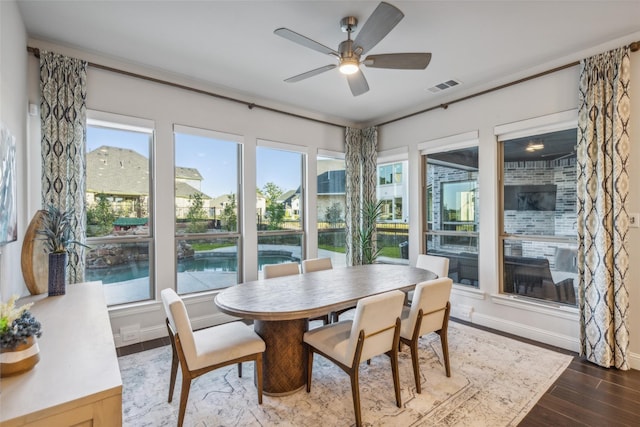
8, 205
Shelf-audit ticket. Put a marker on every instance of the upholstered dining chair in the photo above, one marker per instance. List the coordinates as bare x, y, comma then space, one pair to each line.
374, 330
207, 349
434, 263
278, 270
316, 264
429, 312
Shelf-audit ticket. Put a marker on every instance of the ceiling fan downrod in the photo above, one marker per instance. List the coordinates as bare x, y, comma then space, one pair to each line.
349, 59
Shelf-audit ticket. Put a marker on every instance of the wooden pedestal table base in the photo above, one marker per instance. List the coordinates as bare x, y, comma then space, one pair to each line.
284, 359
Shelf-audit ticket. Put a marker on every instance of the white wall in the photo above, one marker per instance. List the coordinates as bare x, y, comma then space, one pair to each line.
553, 93
13, 113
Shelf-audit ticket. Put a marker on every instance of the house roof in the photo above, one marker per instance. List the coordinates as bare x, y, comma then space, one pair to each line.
117, 171
125, 172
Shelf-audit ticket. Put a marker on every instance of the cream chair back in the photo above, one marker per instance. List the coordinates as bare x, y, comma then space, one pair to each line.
432, 297
278, 270
179, 321
436, 264
376, 315
316, 264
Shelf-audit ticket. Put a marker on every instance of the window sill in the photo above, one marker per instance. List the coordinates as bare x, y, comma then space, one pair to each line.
542, 307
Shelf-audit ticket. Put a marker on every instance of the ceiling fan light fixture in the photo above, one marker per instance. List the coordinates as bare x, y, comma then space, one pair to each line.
349, 66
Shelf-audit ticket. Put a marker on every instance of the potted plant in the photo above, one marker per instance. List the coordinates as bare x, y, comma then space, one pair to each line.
18, 330
56, 228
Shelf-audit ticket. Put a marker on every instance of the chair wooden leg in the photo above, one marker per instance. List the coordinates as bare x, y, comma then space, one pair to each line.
258, 370
396, 376
184, 396
174, 372
309, 367
416, 365
239, 370
355, 391
445, 350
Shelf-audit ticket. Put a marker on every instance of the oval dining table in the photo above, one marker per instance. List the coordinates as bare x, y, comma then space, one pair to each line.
280, 308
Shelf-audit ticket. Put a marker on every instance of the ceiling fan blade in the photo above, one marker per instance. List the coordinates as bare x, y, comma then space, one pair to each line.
310, 73
357, 83
379, 24
399, 61
305, 41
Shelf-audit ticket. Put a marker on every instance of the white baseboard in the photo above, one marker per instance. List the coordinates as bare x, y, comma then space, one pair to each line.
559, 340
634, 361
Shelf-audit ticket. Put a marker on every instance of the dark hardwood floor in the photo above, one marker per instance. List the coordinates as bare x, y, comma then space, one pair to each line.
584, 395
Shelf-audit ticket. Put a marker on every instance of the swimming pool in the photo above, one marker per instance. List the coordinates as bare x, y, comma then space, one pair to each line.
209, 262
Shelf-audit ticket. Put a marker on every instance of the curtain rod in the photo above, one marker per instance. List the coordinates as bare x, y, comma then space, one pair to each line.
36, 52
633, 47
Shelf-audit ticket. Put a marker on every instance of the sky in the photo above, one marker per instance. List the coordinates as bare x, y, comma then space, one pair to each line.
215, 159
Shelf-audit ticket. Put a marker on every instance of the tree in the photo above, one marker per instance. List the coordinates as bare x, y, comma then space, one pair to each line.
274, 210
228, 217
333, 214
102, 215
196, 214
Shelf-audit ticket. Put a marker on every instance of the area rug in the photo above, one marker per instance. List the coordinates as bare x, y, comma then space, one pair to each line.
494, 382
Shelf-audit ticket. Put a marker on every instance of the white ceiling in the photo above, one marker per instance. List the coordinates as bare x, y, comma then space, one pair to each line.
230, 45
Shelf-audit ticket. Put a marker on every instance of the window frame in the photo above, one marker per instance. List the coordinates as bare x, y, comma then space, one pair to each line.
301, 232
564, 120
105, 120
238, 234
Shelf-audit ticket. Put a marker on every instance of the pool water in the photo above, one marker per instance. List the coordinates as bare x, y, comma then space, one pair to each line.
208, 262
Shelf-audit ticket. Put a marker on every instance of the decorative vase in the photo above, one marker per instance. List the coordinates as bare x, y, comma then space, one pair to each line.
19, 359
57, 273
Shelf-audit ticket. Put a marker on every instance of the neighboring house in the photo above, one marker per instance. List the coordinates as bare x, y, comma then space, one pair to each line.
291, 201
122, 175
331, 186
119, 173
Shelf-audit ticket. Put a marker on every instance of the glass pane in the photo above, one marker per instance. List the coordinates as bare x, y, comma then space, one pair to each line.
393, 230
206, 184
539, 190
278, 249
117, 197
331, 205
279, 183
123, 269
205, 264
117, 192
452, 211
541, 269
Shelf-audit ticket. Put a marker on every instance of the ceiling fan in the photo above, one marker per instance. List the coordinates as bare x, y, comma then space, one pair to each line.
349, 54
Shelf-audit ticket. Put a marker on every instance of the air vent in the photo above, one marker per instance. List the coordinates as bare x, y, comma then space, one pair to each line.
444, 85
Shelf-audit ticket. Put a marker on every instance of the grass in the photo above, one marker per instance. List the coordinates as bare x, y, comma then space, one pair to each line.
209, 246
386, 251
339, 249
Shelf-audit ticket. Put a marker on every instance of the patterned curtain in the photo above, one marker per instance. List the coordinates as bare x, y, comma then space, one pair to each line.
361, 170
63, 120
603, 222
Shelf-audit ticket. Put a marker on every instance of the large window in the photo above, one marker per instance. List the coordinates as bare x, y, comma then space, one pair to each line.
393, 227
119, 207
331, 208
279, 203
207, 195
451, 211
539, 215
